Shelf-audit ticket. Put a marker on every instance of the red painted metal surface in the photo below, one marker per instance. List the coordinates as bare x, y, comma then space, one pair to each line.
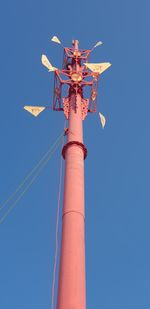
71, 287
69, 144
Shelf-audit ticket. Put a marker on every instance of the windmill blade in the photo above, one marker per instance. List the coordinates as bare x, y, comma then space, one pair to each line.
102, 120
99, 43
34, 110
47, 64
55, 39
98, 67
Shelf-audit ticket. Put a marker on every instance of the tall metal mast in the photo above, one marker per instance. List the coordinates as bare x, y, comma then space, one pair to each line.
77, 74
72, 282
71, 289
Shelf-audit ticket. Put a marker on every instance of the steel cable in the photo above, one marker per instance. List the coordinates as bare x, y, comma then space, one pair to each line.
30, 173
57, 220
52, 150
57, 229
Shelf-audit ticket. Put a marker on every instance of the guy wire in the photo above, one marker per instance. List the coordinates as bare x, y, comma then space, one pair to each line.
32, 180
30, 173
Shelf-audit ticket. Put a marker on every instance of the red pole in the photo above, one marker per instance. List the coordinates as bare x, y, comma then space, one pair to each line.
71, 287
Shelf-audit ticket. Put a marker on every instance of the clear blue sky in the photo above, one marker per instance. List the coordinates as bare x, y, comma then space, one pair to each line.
117, 171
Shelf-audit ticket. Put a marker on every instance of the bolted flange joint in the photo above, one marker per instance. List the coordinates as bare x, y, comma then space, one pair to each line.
69, 144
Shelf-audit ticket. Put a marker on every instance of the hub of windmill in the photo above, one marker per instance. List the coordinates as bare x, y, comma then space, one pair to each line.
78, 78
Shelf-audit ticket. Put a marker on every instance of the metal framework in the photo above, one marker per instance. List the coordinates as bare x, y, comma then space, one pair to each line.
71, 97
75, 82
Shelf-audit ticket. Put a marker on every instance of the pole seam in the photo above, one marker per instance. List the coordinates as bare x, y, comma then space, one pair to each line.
73, 211
69, 144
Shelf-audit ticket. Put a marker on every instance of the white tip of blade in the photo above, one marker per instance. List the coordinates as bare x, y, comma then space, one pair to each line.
34, 110
47, 64
55, 39
98, 67
98, 44
102, 120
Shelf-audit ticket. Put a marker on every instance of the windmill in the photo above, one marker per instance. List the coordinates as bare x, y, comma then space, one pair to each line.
76, 74
95, 70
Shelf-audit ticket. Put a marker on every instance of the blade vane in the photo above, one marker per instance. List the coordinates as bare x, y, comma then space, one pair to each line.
34, 110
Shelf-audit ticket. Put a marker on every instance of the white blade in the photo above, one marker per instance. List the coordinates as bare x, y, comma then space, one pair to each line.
34, 110
98, 44
102, 120
98, 67
55, 39
47, 64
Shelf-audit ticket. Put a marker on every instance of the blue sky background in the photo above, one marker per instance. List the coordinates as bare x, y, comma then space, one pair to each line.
117, 173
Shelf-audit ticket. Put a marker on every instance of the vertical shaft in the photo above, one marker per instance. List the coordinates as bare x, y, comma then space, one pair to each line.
71, 287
